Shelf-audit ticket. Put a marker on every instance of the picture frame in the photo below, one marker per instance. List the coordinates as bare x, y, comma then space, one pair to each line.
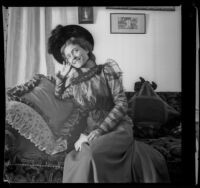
127, 23
85, 15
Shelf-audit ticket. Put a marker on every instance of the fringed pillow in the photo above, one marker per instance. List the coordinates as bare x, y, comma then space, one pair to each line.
33, 127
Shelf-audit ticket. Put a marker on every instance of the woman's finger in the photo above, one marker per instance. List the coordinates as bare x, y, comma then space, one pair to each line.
92, 137
65, 70
95, 137
79, 149
76, 146
93, 134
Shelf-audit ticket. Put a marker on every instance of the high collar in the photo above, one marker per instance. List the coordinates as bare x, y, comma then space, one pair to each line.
78, 72
89, 64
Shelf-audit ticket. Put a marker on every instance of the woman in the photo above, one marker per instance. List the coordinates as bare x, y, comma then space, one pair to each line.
108, 152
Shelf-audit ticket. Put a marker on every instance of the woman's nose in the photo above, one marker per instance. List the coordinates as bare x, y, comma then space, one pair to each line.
75, 56
72, 56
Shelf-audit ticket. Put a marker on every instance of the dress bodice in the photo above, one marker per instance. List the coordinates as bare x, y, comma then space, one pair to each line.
99, 91
92, 93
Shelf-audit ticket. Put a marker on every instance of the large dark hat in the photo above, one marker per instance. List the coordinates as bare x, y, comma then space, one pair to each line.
61, 34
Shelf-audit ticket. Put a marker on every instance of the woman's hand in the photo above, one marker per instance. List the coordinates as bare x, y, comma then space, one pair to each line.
65, 70
78, 143
62, 75
95, 134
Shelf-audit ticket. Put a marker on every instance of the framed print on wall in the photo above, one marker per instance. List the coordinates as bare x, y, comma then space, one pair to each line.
85, 15
127, 23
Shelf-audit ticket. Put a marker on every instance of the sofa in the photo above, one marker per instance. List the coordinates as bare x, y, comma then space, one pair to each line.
29, 161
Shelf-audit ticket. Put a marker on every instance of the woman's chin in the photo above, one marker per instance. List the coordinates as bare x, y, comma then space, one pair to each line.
78, 66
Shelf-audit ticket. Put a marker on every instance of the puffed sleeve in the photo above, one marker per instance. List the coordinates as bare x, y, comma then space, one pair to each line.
113, 76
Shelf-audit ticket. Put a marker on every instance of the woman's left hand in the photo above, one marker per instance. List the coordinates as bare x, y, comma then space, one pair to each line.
94, 134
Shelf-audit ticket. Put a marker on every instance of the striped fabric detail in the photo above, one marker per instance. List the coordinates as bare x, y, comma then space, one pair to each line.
59, 89
113, 75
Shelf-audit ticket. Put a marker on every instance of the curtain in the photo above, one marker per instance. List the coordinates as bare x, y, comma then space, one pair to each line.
26, 45
27, 36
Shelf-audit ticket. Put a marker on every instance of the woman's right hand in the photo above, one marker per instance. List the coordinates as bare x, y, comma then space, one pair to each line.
62, 75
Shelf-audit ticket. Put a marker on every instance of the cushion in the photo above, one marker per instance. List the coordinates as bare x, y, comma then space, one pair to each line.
148, 109
54, 110
150, 113
32, 126
62, 119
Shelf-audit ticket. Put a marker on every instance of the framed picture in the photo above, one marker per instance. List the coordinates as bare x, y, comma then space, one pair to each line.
85, 15
127, 23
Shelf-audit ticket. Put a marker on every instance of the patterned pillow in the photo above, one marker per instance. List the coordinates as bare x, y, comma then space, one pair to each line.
33, 127
150, 113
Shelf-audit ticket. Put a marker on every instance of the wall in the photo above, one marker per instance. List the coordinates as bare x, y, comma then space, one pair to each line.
156, 55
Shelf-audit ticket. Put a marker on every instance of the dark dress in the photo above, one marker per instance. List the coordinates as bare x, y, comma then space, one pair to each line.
115, 156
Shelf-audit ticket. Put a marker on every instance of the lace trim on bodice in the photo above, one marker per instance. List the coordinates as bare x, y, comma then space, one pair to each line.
86, 75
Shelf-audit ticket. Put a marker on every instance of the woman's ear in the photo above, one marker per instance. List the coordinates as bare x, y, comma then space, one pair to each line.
87, 51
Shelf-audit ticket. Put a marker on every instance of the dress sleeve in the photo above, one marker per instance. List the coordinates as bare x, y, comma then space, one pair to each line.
113, 75
62, 83
59, 88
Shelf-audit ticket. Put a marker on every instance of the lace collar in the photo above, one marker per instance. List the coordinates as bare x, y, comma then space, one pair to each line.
84, 76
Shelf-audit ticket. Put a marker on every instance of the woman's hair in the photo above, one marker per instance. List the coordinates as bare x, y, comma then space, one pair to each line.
55, 42
82, 43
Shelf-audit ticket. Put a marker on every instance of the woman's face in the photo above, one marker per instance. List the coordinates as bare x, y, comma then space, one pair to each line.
76, 55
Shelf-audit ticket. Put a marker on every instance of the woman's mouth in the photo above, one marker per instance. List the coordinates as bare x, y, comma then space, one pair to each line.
74, 61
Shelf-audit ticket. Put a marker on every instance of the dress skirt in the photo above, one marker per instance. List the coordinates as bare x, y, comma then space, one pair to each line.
115, 158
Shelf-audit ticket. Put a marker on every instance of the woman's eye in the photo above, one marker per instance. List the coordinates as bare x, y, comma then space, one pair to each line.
75, 50
68, 56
